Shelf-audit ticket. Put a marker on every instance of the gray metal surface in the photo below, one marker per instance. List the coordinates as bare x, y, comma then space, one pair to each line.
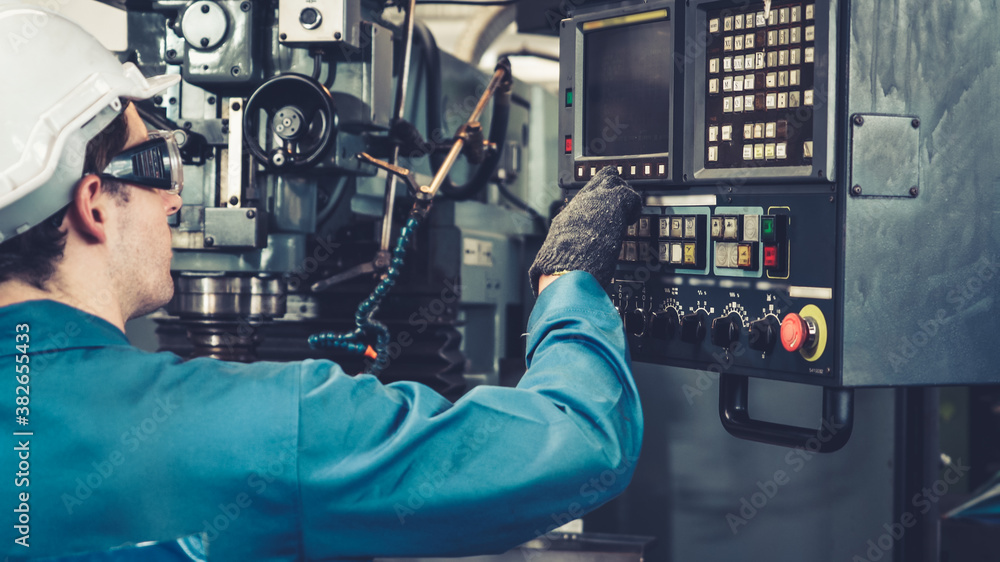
920, 274
234, 228
885, 155
692, 478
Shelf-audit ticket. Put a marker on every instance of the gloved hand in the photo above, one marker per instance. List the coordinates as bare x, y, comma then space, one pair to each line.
587, 234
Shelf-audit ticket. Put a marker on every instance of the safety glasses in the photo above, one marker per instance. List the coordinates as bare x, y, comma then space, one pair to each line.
155, 163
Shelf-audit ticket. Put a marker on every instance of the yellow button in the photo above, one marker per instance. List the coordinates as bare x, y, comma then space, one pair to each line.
744, 255
689, 254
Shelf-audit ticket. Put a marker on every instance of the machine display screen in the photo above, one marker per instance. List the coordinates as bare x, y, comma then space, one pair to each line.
627, 79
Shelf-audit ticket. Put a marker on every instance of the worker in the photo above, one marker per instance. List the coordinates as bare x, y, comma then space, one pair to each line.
109, 445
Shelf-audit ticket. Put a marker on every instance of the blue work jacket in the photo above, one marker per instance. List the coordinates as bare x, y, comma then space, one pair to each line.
291, 461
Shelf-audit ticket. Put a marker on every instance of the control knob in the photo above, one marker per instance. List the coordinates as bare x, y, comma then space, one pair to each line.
764, 334
635, 322
693, 327
726, 329
663, 324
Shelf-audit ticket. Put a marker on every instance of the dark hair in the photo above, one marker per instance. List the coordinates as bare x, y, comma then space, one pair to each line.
32, 256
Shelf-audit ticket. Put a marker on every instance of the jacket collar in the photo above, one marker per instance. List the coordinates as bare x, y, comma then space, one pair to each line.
54, 326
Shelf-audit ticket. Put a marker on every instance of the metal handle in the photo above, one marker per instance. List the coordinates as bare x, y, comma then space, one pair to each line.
833, 433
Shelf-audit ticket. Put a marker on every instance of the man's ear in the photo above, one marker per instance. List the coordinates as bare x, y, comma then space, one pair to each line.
89, 210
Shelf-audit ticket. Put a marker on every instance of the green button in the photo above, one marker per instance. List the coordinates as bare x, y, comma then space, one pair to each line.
768, 226
569, 98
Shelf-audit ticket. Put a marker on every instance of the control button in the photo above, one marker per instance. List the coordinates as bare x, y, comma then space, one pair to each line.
646, 254
764, 334
798, 332
663, 324
643, 226
751, 228
770, 255
693, 327
716, 228
726, 330
677, 227
730, 228
569, 144
635, 322
690, 254
310, 18
569, 97
767, 228
745, 255
676, 253
690, 227
631, 251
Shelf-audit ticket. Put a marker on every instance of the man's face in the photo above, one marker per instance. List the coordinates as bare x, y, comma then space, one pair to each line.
141, 251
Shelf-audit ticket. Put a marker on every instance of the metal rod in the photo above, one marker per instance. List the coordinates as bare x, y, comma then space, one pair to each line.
390, 183
430, 191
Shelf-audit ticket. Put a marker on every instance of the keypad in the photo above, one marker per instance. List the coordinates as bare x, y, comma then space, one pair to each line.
760, 85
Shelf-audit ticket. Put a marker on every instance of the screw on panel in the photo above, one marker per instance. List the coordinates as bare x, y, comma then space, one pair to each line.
337, 35
283, 36
856, 190
859, 120
251, 214
914, 191
236, 106
204, 9
209, 241
245, 6
831, 198
234, 200
171, 54
204, 41
235, 71
915, 123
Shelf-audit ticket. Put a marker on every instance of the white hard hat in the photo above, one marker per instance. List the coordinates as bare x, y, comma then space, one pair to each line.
59, 88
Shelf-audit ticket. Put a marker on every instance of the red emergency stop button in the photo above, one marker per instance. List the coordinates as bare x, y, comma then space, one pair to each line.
798, 332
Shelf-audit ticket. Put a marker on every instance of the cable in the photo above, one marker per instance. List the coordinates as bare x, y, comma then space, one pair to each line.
498, 124
364, 323
526, 52
317, 64
521, 204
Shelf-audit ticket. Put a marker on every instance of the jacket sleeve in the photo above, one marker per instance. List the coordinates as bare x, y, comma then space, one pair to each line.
397, 470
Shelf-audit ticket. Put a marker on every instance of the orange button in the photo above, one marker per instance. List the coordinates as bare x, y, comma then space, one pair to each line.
793, 332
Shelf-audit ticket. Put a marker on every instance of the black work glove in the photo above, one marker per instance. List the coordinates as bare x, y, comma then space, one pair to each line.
587, 234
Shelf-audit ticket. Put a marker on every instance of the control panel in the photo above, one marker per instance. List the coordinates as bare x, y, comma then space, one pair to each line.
819, 203
719, 287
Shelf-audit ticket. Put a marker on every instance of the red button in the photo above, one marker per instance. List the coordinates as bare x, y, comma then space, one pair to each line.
569, 145
770, 256
793, 332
